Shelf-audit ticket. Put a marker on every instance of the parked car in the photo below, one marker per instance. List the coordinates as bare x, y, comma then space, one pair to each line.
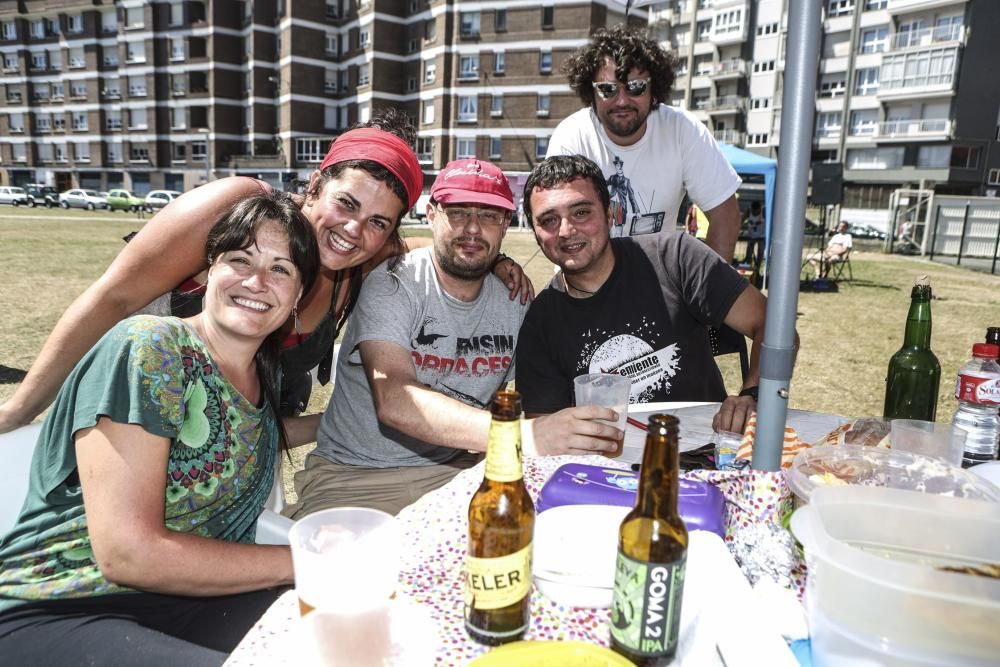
123, 200
12, 195
42, 195
88, 199
157, 199
866, 232
419, 210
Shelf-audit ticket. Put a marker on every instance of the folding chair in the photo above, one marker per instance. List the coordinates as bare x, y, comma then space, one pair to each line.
837, 268
729, 341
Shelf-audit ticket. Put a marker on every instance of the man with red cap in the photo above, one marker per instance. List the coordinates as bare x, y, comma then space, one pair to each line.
432, 338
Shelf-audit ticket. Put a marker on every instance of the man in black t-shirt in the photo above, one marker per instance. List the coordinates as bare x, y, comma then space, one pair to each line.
638, 306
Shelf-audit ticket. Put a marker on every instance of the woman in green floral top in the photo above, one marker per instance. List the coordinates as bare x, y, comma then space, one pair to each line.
135, 544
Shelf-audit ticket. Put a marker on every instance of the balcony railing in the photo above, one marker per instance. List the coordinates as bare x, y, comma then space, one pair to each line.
916, 83
926, 37
725, 103
914, 128
728, 136
731, 67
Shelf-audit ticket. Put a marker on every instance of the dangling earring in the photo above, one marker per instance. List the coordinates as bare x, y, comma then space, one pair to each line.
295, 321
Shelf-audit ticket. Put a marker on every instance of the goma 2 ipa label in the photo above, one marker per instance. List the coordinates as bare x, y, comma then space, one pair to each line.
646, 611
495, 583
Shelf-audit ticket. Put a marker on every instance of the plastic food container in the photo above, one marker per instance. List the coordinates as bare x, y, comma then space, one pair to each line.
877, 593
840, 465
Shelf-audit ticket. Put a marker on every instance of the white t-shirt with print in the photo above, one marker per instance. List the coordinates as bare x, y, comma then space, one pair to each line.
648, 179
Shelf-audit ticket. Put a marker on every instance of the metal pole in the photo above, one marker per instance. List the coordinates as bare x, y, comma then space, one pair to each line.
961, 240
778, 351
937, 221
996, 247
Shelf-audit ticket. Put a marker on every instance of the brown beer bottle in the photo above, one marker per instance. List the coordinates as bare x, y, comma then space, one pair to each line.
652, 553
501, 527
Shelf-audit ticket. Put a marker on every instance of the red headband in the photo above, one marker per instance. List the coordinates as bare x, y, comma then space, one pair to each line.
385, 148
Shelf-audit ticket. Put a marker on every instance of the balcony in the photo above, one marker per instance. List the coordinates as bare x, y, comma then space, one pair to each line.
733, 68
275, 161
905, 6
724, 104
729, 136
914, 130
927, 37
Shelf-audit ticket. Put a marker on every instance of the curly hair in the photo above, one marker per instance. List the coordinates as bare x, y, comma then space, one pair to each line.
559, 170
630, 49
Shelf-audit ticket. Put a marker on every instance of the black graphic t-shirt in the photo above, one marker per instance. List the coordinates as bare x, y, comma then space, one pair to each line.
648, 321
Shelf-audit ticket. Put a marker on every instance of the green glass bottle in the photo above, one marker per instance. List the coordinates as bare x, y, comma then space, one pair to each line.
911, 385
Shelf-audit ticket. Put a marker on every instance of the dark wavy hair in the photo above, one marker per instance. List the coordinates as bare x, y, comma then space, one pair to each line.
395, 122
237, 230
560, 169
630, 49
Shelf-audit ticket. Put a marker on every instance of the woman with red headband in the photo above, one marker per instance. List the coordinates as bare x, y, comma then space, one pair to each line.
354, 201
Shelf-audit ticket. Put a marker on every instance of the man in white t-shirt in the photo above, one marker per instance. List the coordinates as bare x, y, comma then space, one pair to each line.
836, 251
651, 154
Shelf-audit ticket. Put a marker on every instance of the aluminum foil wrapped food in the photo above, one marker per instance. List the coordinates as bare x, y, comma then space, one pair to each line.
765, 550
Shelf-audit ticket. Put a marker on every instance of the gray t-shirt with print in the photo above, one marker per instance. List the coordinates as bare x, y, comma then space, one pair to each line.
462, 349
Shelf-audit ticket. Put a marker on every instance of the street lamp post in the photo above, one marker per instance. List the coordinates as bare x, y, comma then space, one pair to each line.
208, 153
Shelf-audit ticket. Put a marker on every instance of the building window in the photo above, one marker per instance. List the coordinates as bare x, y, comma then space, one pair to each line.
767, 29
18, 152
468, 67
38, 29
80, 121
917, 69
134, 18
16, 123
425, 149
834, 87
363, 76
331, 116
839, 8
81, 151
180, 153
465, 148
873, 40
496, 148
500, 20
58, 90
499, 62
332, 9
113, 121
828, 125
763, 66
39, 60
45, 152
136, 86
866, 81
178, 118
496, 105
364, 112
330, 81
331, 44
137, 119
310, 150
40, 91
548, 17
994, 177
704, 29
114, 151
176, 15
760, 102
77, 58
199, 151
78, 89
364, 39
10, 62
109, 21
427, 117
871, 5
430, 30
545, 62
74, 23
965, 157
430, 71
467, 108
60, 153
863, 123
59, 123
9, 30
55, 60
411, 84
139, 154
469, 24
43, 123
544, 105
135, 52
759, 139
541, 147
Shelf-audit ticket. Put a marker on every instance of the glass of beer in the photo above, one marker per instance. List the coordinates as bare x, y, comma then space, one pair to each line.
609, 390
346, 564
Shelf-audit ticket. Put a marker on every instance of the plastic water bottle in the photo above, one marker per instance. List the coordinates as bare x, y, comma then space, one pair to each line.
978, 392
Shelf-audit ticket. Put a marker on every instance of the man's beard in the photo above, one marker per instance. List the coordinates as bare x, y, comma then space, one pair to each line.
464, 271
615, 127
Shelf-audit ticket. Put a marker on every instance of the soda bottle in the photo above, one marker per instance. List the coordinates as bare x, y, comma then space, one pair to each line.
652, 554
993, 337
978, 392
501, 527
914, 375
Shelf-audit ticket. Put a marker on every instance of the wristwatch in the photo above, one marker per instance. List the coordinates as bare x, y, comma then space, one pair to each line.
752, 392
500, 258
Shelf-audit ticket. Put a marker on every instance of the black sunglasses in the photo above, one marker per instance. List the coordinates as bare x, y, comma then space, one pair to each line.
633, 88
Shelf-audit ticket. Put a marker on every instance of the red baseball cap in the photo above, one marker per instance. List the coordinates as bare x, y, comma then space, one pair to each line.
471, 181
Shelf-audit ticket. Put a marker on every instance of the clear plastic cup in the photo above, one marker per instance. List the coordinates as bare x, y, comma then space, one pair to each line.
940, 441
346, 564
727, 444
608, 390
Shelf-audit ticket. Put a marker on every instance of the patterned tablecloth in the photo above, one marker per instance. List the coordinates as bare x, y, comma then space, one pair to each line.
435, 530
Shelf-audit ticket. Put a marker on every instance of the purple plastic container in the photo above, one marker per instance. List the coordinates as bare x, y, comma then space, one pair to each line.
701, 505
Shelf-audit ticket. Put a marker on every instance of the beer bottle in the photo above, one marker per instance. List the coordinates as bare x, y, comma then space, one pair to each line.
501, 527
652, 553
911, 385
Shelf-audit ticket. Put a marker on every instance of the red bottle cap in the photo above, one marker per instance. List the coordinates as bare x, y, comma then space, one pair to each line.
985, 351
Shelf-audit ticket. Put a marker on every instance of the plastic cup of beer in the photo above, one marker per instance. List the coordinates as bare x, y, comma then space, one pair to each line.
346, 564
609, 390
940, 441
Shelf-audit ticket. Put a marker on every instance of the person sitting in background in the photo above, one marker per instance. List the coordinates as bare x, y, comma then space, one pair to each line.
836, 251
755, 234
135, 544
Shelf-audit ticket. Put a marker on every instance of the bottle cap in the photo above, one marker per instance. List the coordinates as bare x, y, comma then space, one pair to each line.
922, 281
986, 350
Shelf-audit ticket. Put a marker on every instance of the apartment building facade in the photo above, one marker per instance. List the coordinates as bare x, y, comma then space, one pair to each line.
905, 96
166, 94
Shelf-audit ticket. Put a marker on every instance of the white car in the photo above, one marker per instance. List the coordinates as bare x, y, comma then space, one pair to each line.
157, 199
88, 199
14, 196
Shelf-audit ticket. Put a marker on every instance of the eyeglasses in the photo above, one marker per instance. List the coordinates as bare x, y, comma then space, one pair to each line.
462, 216
633, 88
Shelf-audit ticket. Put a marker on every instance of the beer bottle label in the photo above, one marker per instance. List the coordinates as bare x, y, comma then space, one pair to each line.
646, 611
503, 452
495, 583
